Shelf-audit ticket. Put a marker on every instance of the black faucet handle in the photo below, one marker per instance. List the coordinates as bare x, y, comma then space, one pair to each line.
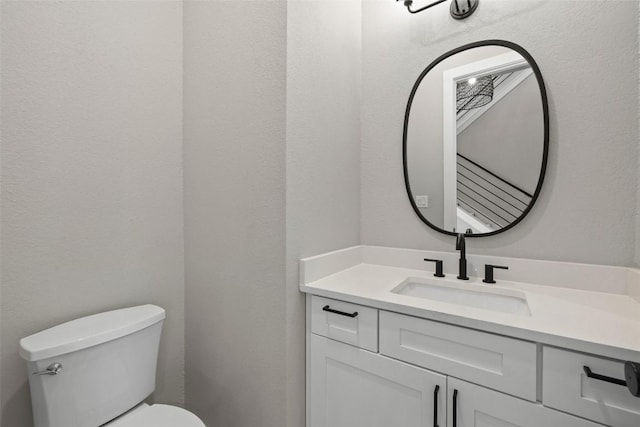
488, 272
439, 264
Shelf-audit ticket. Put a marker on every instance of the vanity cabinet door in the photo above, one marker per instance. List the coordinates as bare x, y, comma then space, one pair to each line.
351, 387
476, 406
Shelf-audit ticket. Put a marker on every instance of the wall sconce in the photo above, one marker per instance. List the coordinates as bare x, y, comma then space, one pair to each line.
460, 9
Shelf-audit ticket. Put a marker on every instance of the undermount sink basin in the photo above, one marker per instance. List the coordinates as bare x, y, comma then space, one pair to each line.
465, 294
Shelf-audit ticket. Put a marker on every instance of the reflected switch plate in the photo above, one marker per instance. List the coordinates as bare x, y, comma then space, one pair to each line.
422, 201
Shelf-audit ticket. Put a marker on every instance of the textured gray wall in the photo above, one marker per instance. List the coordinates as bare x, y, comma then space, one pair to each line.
234, 184
637, 209
91, 175
323, 154
245, 315
587, 207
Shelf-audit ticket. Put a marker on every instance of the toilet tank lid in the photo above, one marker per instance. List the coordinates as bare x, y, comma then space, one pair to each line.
89, 331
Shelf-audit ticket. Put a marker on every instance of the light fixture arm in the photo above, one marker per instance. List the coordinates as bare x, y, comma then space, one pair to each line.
457, 10
408, 4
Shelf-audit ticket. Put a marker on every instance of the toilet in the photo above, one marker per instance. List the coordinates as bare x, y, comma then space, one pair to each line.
97, 371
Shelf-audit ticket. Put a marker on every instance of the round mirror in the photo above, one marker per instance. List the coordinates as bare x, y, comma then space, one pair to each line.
476, 139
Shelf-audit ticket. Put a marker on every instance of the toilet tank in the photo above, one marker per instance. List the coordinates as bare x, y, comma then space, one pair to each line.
108, 366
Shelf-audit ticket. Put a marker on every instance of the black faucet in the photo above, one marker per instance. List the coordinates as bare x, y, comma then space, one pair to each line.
461, 246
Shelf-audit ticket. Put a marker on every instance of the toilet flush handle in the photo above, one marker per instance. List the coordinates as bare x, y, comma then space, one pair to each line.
53, 369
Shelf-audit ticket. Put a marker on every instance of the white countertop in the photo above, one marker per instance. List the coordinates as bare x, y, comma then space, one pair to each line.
604, 321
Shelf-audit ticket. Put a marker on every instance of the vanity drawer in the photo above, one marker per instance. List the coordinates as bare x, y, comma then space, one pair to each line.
496, 362
566, 387
360, 330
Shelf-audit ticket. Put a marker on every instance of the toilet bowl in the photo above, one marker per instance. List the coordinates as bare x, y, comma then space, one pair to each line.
156, 416
98, 370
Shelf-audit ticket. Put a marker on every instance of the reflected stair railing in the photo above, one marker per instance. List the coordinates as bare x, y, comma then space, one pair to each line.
487, 196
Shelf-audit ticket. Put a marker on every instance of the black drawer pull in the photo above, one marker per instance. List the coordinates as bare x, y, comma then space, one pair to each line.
455, 408
435, 406
590, 374
342, 313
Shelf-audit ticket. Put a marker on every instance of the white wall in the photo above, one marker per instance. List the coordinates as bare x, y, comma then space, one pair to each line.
508, 138
588, 54
91, 174
234, 153
323, 154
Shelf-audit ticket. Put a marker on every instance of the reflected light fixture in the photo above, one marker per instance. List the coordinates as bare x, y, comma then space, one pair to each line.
474, 93
460, 9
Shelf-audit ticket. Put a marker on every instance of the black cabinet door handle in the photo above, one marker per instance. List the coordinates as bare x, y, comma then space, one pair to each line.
342, 313
455, 408
604, 378
435, 406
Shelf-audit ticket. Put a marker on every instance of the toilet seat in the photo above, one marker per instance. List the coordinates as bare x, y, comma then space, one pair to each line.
157, 416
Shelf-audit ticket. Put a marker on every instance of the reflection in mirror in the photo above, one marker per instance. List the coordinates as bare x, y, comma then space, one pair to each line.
476, 140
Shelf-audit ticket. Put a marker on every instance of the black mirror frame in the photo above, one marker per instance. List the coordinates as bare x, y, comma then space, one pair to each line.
545, 114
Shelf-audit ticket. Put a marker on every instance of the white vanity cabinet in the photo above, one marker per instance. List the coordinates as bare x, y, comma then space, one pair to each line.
352, 387
385, 369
